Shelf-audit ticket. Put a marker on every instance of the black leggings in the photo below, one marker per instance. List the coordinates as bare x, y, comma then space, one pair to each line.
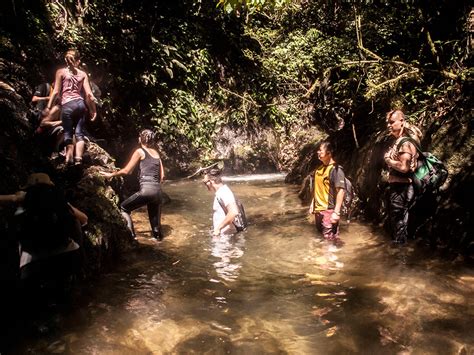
150, 195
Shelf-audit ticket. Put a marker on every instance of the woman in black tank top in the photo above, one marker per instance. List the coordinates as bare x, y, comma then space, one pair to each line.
151, 176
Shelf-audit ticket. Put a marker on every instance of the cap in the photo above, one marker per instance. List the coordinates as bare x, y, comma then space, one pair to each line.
38, 178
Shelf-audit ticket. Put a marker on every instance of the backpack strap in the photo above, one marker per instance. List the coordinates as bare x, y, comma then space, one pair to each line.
145, 152
311, 181
221, 203
411, 140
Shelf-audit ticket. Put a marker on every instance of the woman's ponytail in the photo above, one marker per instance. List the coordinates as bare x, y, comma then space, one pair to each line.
149, 138
72, 58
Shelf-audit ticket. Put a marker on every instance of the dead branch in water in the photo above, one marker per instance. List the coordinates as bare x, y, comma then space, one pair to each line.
201, 169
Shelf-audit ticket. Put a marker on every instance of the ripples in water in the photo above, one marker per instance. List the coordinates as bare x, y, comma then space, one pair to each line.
272, 289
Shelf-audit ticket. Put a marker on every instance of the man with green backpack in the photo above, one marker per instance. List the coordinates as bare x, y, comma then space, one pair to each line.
412, 173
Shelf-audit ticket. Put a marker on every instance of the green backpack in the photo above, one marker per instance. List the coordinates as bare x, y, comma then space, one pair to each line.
430, 173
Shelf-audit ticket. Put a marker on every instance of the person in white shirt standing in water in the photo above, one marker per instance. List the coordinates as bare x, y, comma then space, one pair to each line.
224, 206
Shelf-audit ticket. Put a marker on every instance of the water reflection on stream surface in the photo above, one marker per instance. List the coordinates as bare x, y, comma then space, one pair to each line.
272, 289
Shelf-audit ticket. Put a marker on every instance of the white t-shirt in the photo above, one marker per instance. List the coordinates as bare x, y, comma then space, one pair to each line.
225, 195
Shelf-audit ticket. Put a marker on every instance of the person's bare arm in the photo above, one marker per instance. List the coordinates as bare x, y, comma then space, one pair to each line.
232, 212
39, 98
57, 86
127, 170
15, 198
403, 158
80, 216
89, 98
45, 122
87, 87
336, 215
162, 171
311, 206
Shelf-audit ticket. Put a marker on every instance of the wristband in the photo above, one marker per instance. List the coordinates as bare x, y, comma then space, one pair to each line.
337, 213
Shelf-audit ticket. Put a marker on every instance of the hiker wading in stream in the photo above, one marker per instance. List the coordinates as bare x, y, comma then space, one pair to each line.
224, 206
328, 194
151, 177
401, 160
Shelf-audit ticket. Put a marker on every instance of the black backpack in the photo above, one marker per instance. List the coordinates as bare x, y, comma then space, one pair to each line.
348, 195
240, 222
47, 222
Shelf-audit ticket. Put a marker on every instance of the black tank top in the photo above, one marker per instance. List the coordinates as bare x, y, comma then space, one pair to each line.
150, 168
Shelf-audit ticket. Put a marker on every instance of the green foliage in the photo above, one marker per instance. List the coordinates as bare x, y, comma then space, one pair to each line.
184, 116
230, 6
199, 68
297, 68
190, 67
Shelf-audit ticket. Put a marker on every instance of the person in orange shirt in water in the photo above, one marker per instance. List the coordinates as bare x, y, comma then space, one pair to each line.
328, 194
